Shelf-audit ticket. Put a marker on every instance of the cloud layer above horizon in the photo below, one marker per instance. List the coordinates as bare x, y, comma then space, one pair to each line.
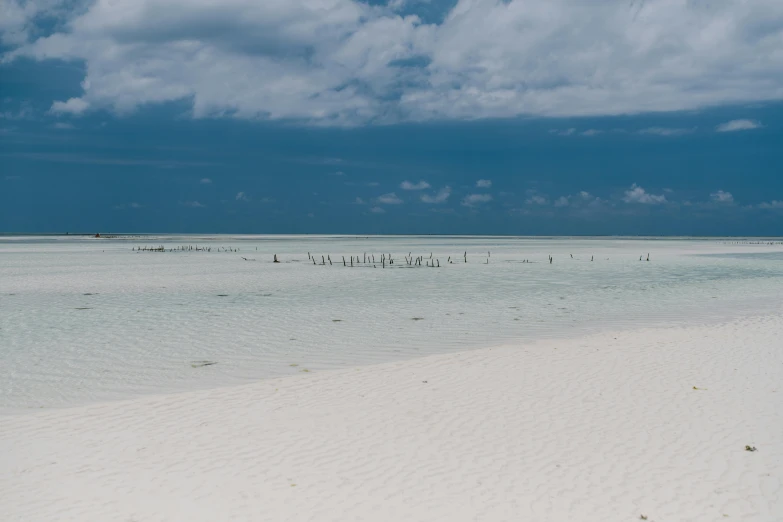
344, 62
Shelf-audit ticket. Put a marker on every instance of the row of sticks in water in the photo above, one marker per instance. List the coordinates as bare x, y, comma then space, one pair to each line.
412, 261
183, 248
385, 259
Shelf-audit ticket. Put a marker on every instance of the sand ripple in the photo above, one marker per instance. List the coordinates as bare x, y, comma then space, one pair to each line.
602, 428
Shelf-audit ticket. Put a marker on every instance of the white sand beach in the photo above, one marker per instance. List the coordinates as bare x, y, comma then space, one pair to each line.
604, 427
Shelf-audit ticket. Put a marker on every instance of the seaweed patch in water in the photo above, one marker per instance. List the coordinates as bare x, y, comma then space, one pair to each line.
199, 364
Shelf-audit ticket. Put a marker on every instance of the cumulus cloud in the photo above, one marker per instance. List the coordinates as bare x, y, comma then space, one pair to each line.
74, 106
346, 62
722, 197
205, 181
472, 200
440, 197
771, 205
241, 196
637, 194
737, 125
18, 17
580, 199
421, 185
377, 210
536, 200
665, 131
484, 183
389, 199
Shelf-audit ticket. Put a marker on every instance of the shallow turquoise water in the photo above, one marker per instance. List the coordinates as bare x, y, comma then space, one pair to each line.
85, 319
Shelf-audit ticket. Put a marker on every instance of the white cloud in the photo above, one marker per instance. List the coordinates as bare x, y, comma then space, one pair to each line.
359, 201
421, 185
484, 183
471, 200
74, 106
771, 205
440, 197
592, 132
336, 62
205, 181
722, 197
536, 200
737, 125
638, 195
389, 199
377, 210
578, 200
665, 131
63, 126
241, 196
193, 204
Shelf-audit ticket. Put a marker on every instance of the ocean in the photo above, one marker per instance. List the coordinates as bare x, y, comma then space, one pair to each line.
85, 319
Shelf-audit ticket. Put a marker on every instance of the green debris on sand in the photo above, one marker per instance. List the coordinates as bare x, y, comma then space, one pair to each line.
750, 448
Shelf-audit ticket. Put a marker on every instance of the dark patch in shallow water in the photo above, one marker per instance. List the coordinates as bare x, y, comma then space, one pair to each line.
199, 364
84, 308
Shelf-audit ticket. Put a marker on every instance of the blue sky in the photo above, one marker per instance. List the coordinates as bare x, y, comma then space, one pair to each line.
335, 116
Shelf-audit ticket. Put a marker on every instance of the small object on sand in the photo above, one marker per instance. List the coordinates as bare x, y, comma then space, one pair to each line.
643, 517
750, 448
199, 364
425, 382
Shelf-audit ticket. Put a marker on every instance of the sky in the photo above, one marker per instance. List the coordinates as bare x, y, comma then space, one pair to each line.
519, 117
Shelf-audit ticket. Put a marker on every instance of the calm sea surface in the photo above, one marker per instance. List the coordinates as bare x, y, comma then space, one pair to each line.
84, 319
